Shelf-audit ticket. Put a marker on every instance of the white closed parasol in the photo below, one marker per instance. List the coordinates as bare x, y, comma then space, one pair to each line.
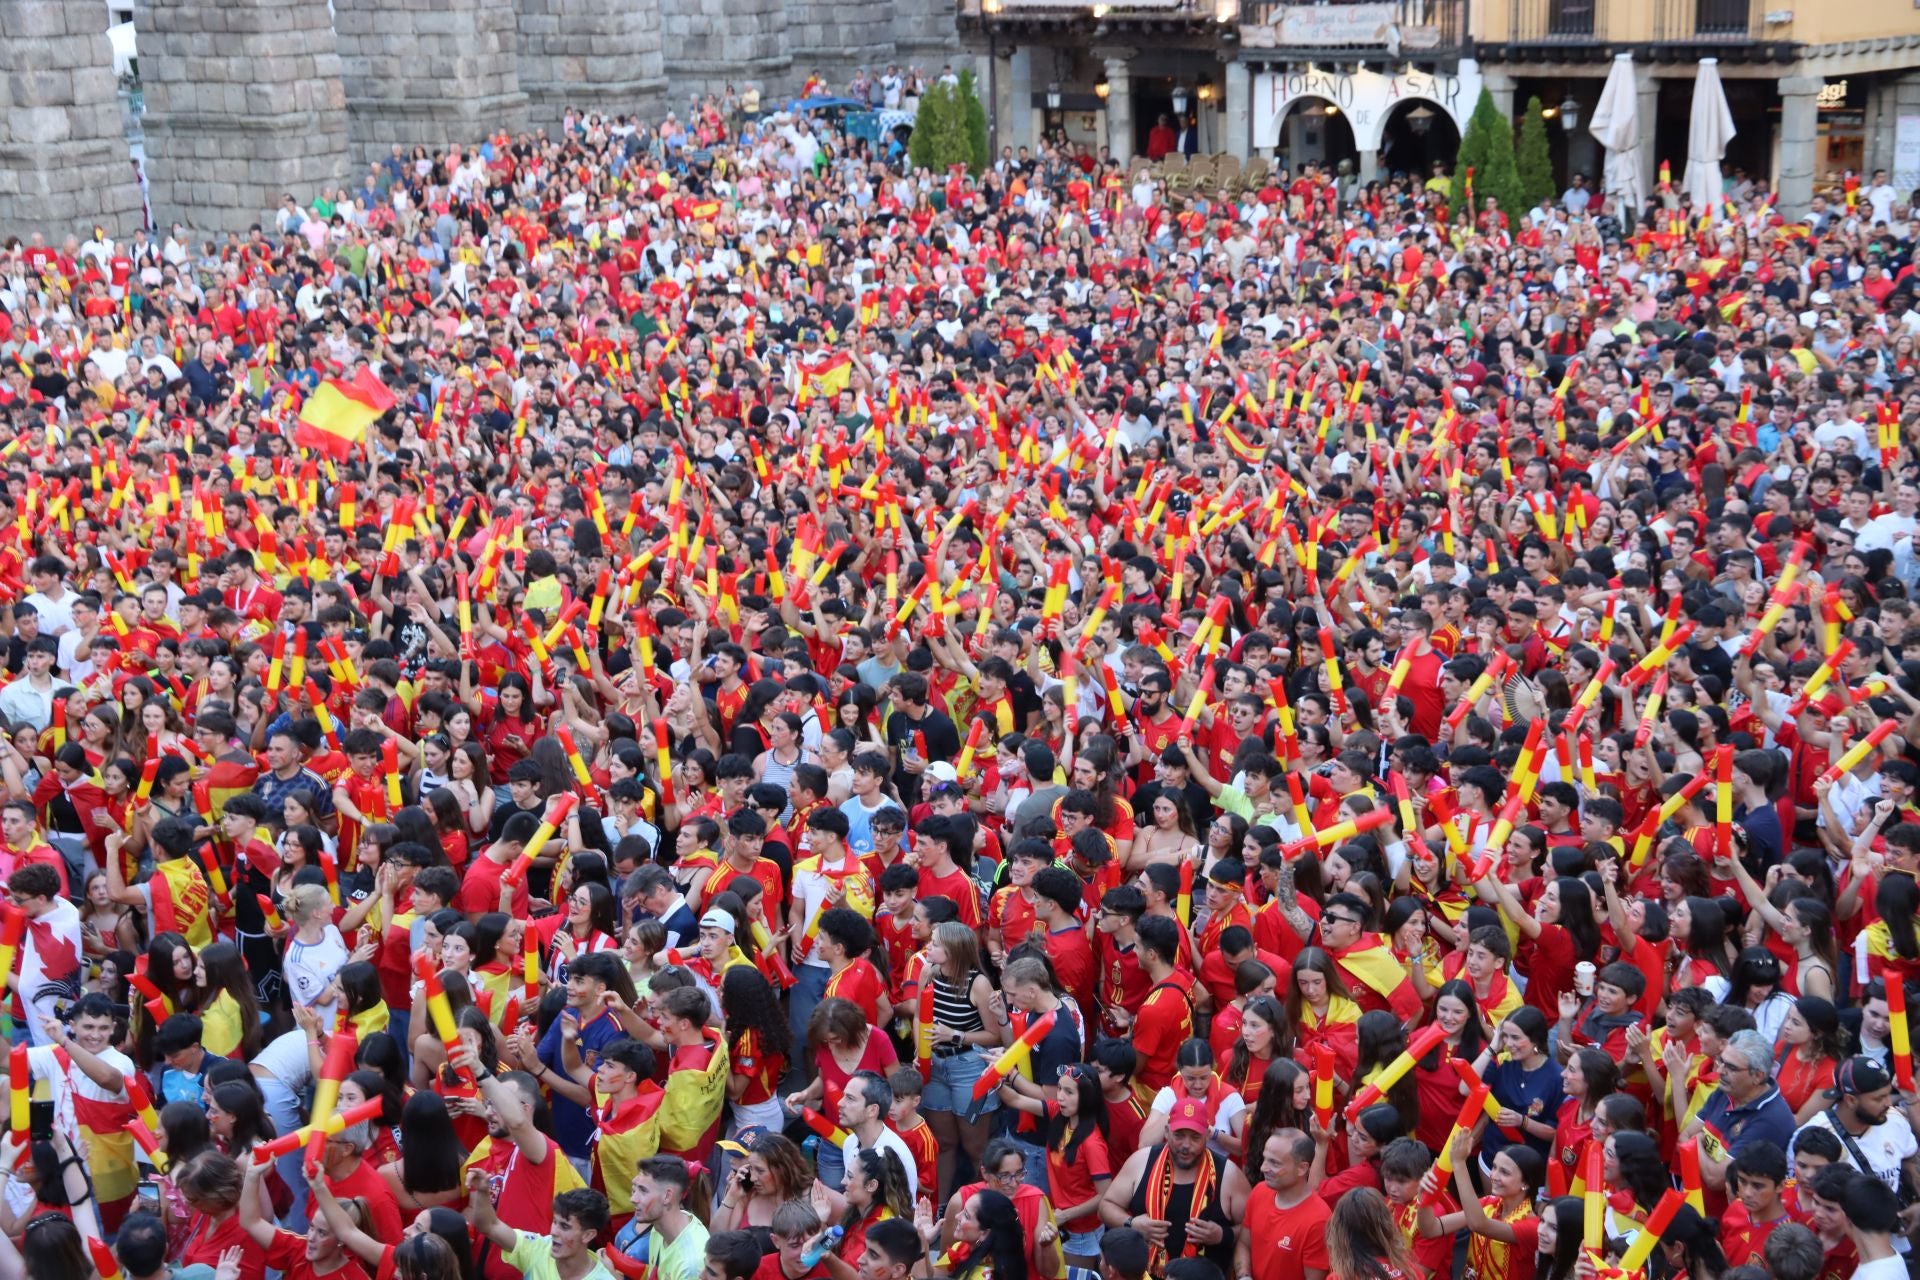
1618, 130
1708, 132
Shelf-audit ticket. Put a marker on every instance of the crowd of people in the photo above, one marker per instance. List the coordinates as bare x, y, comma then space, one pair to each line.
859, 723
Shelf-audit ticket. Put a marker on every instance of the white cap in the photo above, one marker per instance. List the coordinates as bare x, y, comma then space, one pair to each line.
717, 919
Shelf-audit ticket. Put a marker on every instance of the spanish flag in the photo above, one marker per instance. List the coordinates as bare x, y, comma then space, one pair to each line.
1376, 977
1245, 450
335, 418
830, 376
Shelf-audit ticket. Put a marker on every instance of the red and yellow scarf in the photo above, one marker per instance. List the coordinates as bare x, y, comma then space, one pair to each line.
1160, 1196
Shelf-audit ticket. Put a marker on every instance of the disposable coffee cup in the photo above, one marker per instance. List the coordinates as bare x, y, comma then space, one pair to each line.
1583, 977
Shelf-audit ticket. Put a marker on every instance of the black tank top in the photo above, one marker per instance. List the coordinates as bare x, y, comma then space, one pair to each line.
1179, 1208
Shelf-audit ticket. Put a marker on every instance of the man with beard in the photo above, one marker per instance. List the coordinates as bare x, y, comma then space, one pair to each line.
1177, 1195
526, 1171
1879, 1141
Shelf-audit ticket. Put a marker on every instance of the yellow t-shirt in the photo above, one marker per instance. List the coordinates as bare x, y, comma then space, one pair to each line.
223, 1027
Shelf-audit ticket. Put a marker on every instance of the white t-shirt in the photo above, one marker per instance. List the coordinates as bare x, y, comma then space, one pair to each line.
1893, 1268
71, 1082
1224, 1115
310, 967
1885, 1145
285, 1059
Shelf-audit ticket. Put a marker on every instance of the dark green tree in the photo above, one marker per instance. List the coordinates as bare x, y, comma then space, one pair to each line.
939, 131
1535, 158
1475, 147
974, 118
1502, 179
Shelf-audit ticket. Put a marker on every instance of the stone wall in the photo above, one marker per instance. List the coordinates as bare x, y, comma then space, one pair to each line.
840, 37
708, 46
925, 33
428, 72
596, 55
64, 163
244, 105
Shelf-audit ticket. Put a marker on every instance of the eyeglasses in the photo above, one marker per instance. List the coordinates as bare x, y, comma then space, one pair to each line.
1009, 1175
1338, 920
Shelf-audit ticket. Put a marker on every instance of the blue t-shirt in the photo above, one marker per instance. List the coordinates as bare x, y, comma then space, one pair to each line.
573, 1125
1536, 1094
184, 1086
1767, 1118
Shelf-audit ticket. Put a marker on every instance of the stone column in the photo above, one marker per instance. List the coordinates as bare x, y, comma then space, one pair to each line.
245, 105
924, 33
593, 55
1020, 129
1646, 116
1120, 106
428, 72
707, 47
1799, 125
1369, 167
1502, 86
64, 162
1236, 123
995, 83
839, 37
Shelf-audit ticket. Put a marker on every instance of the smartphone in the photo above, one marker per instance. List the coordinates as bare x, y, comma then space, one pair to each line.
148, 1189
40, 1120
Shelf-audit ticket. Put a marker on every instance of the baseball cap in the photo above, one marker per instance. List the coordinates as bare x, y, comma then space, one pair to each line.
1187, 1114
1857, 1075
941, 771
717, 919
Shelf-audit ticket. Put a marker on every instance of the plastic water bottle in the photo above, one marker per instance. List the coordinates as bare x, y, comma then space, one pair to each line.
822, 1246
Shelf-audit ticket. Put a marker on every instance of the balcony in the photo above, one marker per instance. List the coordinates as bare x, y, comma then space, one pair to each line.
1413, 29
1706, 21
1654, 30
1115, 17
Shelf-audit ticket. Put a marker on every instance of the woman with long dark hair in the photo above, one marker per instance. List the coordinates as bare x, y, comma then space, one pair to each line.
1382, 1039
1557, 935
237, 1119
427, 1174
1589, 1077
1639, 1176
1321, 1009
1562, 1226
1079, 1166
1286, 1102
229, 1007
1699, 928
1808, 1056
1893, 948
988, 1242
1265, 1037
773, 1172
1436, 1082
1504, 1227
1526, 1083
759, 1044
876, 1190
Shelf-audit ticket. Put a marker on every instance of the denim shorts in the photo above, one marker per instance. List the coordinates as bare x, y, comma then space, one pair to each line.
1085, 1244
951, 1089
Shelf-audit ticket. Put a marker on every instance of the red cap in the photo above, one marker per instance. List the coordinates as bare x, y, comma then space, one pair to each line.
1188, 1114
